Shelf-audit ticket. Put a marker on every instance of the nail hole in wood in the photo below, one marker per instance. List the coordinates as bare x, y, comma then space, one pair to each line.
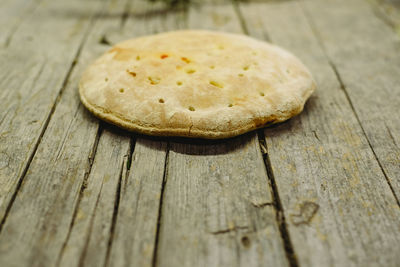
246, 242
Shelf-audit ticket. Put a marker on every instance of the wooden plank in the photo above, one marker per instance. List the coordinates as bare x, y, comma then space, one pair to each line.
340, 209
217, 206
135, 230
87, 243
134, 236
43, 209
369, 71
34, 67
38, 223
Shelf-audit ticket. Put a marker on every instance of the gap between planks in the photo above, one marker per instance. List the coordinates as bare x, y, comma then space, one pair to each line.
91, 158
164, 182
275, 216
280, 214
115, 212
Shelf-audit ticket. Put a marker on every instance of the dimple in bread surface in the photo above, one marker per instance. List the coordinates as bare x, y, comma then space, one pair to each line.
200, 84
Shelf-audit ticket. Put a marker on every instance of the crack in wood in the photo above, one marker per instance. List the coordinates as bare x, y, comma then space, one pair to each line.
125, 14
260, 205
84, 250
280, 216
316, 135
132, 144
228, 230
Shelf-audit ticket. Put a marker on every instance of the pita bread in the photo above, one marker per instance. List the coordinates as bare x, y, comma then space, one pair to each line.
196, 84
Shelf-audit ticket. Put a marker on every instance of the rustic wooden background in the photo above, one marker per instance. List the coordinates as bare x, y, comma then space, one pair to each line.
321, 189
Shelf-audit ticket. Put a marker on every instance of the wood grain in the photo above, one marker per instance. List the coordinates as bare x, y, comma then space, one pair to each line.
44, 208
136, 223
31, 79
89, 236
340, 208
373, 89
217, 208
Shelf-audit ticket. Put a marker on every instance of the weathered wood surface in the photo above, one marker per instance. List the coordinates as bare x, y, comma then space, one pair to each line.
372, 89
35, 67
331, 186
389, 12
57, 175
135, 234
317, 190
87, 243
217, 207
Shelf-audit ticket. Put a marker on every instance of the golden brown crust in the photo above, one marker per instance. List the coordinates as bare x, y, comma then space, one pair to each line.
195, 84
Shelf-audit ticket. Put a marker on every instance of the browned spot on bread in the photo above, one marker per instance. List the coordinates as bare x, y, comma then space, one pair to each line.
217, 84
133, 74
185, 60
154, 80
163, 56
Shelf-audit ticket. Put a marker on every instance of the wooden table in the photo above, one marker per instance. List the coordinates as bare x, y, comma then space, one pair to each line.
322, 189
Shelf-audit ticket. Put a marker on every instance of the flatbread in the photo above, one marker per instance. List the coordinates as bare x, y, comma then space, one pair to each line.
196, 84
